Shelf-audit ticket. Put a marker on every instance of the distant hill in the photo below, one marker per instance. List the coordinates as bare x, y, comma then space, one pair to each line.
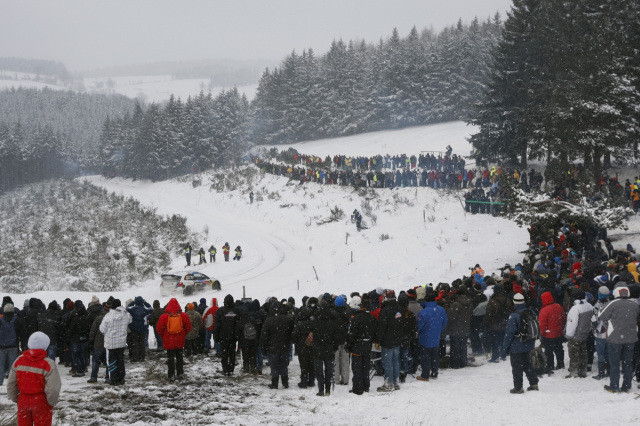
41, 69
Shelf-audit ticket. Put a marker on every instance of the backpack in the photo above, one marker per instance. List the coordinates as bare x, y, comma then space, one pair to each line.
529, 326
538, 360
8, 335
174, 324
249, 331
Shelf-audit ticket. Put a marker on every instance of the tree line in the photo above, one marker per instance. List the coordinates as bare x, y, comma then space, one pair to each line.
564, 84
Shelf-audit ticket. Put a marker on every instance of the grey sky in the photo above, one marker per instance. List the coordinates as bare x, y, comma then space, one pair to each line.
88, 34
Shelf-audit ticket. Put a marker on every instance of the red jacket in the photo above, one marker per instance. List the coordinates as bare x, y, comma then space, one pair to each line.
552, 317
173, 341
34, 374
211, 311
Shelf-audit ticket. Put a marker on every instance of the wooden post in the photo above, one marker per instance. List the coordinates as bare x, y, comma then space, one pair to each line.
346, 238
424, 216
298, 284
314, 270
351, 256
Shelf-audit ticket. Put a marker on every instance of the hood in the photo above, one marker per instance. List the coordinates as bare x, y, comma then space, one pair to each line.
547, 298
138, 301
5, 300
254, 306
228, 301
173, 306
498, 290
214, 302
403, 300
34, 355
304, 314
203, 301
53, 306
79, 307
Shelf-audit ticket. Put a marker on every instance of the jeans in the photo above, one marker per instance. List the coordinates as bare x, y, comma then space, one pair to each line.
521, 363
553, 347
158, 339
601, 350
259, 360
207, 340
404, 359
95, 363
51, 352
391, 364
78, 357
621, 352
429, 362
497, 339
7, 357
175, 362
279, 364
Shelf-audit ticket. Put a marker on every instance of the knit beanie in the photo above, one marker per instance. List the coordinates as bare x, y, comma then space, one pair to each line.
355, 302
518, 299
421, 292
95, 300
8, 308
190, 306
38, 340
339, 301
603, 292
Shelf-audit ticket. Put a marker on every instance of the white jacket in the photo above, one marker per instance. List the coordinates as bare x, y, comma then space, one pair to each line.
114, 327
579, 321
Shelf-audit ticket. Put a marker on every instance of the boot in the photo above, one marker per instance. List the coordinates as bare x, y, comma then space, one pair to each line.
403, 377
601, 371
327, 389
311, 381
320, 390
274, 383
303, 381
285, 382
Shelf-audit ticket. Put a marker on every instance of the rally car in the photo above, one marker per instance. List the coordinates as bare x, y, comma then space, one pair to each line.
187, 283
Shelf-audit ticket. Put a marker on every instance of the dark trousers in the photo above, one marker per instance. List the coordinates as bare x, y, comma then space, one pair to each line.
553, 347
458, 351
521, 363
429, 361
497, 339
95, 363
137, 346
360, 366
228, 355
622, 352
324, 372
190, 346
249, 353
279, 364
212, 258
175, 362
307, 372
188, 257
115, 366
477, 327
78, 355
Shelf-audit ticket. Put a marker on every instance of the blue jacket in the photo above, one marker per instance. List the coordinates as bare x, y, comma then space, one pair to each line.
432, 320
512, 344
138, 310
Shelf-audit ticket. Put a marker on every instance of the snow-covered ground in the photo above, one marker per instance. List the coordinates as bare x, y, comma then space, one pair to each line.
158, 88
430, 239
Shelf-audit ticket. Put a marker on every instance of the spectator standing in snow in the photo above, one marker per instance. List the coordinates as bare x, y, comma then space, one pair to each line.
238, 253
153, 322
251, 197
324, 330
34, 383
431, 320
275, 341
114, 327
173, 327
212, 254
388, 336
342, 355
225, 251
191, 344
209, 322
96, 341
621, 314
79, 328
519, 350
10, 328
495, 319
139, 309
203, 259
600, 332
224, 333
187, 253
577, 330
359, 340
552, 320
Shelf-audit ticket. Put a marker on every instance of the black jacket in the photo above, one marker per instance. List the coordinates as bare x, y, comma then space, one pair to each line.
389, 333
301, 331
226, 321
361, 333
343, 314
276, 332
79, 325
49, 323
325, 334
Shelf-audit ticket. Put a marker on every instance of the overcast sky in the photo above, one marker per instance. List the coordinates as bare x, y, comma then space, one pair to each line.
86, 34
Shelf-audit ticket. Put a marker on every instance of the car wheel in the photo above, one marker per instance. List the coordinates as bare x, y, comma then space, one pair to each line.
188, 291
216, 285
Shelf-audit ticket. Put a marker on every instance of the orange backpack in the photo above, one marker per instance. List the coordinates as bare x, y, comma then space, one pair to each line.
174, 324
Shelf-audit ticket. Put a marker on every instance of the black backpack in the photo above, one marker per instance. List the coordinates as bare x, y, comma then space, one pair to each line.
249, 331
529, 326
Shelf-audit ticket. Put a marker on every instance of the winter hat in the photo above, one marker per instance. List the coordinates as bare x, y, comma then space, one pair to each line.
390, 295
203, 300
156, 304
411, 293
603, 292
190, 306
109, 302
421, 292
339, 301
312, 302
355, 302
8, 308
379, 290
430, 297
95, 300
621, 292
518, 299
116, 303
70, 306
38, 340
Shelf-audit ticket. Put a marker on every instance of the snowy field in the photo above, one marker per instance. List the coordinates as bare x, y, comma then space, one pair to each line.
430, 239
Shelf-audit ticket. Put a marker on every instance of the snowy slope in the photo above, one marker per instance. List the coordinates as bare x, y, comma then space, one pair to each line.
430, 240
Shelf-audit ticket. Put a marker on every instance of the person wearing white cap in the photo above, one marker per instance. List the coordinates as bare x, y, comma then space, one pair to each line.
34, 383
621, 316
519, 349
